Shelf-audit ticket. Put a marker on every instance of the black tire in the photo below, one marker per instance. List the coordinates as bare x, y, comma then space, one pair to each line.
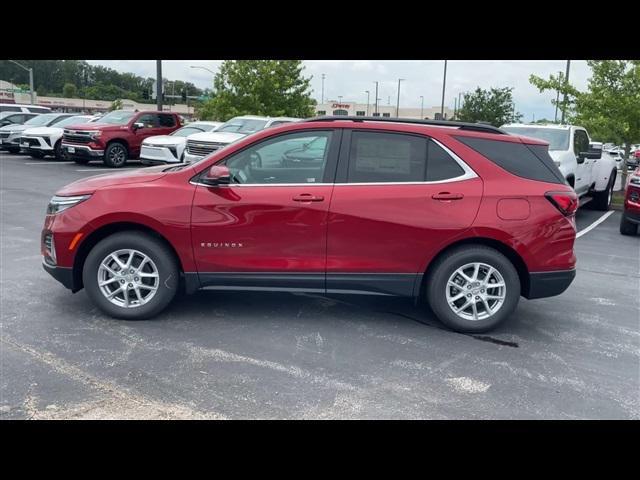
116, 155
13, 150
38, 155
627, 227
602, 200
156, 250
445, 266
81, 160
58, 152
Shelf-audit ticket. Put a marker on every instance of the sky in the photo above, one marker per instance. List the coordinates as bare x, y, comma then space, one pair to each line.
350, 79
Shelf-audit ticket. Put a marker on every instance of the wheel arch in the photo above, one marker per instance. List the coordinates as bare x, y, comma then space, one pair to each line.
107, 230
514, 257
120, 140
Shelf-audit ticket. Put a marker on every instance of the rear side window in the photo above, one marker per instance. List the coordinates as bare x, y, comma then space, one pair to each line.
386, 157
167, 121
440, 165
517, 158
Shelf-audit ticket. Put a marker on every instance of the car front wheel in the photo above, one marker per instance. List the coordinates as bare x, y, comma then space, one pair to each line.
473, 289
131, 275
115, 155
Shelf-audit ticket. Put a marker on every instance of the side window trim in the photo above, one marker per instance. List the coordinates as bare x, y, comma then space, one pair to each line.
344, 160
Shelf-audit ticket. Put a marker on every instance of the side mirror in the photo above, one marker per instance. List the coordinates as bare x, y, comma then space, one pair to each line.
594, 153
217, 175
137, 125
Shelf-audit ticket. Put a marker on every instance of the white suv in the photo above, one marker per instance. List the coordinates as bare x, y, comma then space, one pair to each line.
591, 174
41, 141
170, 148
200, 145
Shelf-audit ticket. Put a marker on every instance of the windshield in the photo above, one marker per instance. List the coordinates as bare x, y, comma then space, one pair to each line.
558, 139
242, 125
184, 131
119, 117
71, 121
41, 119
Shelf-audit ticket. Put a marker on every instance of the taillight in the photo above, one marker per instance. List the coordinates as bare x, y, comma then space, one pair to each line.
566, 202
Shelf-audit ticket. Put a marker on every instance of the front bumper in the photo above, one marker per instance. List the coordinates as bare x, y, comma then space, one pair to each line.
548, 284
81, 151
62, 274
156, 155
35, 144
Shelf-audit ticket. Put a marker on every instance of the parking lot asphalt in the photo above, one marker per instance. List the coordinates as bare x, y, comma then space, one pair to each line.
240, 355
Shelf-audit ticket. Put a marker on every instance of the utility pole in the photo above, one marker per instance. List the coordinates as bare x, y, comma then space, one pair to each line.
367, 92
30, 70
555, 117
566, 84
322, 97
421, 107
455, 107
398, 102
444, 83
376, 111
159, 84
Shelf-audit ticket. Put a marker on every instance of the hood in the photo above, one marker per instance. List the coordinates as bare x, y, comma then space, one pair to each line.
164, 140
43, 131
96, 182
13, 128
218, 137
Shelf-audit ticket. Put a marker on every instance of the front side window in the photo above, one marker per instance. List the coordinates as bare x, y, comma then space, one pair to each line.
386, 157
149, 120
580, 142
290, 158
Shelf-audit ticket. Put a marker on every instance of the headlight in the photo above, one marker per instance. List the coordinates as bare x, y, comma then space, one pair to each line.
59, 204
95, 134
634, 180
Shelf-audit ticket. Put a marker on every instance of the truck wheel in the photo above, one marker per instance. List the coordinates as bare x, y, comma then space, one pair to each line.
473, 288
627, 227
131, 275
602, 200
115, 156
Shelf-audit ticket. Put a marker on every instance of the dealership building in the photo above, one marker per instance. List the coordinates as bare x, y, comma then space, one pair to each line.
362, 109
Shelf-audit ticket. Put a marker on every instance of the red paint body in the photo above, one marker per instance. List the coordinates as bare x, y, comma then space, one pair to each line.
632, 196
382, 228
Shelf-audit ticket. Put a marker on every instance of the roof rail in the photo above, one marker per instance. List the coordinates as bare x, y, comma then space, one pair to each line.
477, 127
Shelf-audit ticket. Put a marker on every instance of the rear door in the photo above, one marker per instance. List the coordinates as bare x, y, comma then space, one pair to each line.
397, 200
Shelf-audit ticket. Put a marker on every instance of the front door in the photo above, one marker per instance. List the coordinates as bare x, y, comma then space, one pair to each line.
585, 165
268, 228
400, 199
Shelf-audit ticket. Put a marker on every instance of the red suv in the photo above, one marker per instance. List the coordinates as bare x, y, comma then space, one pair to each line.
630, 218
465, 215
117, 136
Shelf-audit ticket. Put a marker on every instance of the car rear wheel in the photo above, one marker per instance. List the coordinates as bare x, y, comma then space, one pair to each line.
602, 200
473, 289
627, 227
58, 152
131, 276
115, 156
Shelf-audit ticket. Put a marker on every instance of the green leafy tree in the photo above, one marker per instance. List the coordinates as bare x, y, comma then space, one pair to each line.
494, 106
69, 90
609, 109
116, 105
567, 93
259, 87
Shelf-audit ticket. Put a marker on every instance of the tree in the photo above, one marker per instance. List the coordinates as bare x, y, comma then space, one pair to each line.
259, 87
116, 105
558, 84
69, 90
609, 108
494, 106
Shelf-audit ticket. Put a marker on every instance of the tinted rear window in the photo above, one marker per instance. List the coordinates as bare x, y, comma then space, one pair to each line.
440, 165
527, 161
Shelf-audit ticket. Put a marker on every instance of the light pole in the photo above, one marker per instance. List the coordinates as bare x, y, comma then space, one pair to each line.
367, 92
398, 102
421, 107
339, 98
444, 84
322, 97
30, 70
455, 107
159, 85
566, 84
203, 68
376, 110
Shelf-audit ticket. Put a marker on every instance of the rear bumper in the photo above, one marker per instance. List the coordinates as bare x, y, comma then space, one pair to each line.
549, 284
62, 274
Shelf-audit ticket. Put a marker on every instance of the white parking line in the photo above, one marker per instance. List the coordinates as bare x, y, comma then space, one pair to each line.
595, 224
47, 163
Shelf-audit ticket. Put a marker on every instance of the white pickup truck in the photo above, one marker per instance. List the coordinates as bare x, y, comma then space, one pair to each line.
591, 174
